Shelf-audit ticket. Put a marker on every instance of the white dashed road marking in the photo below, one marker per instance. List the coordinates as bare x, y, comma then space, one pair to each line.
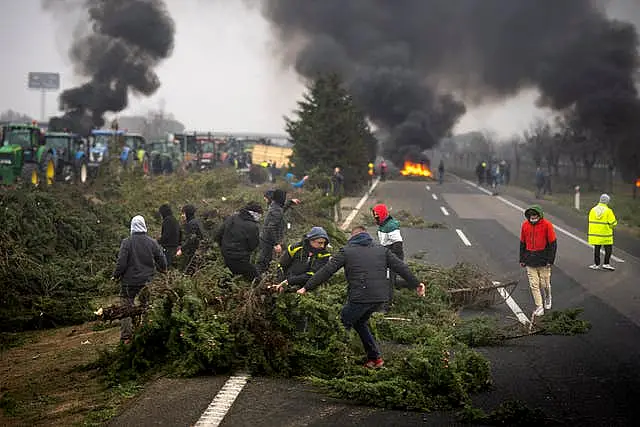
428, 187
434, 197
444, 211
220, 405
463, 237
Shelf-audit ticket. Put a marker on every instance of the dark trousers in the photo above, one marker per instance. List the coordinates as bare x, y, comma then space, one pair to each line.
398, 250
608, 249
265, 256
128, 295
356, 316
242, 267
170, 254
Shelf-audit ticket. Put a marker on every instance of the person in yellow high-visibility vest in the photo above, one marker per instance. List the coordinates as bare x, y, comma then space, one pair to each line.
371, 173
602, 222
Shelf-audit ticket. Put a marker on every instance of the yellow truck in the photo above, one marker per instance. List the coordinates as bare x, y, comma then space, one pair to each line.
265, 153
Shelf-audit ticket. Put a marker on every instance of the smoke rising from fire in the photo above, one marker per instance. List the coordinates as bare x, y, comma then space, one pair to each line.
125, 40
412, 63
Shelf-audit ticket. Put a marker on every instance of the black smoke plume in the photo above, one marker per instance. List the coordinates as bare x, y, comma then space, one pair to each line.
126, 40
412, 63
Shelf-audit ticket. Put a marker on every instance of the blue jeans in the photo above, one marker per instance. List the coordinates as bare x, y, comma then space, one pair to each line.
356, 316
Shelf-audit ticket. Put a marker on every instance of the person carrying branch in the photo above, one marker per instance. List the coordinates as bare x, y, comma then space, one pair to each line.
238, 237
139, 258
302, 260
365, 263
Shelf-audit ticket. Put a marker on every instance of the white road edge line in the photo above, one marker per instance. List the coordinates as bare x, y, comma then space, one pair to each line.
463, 237
444, 211
513, 305
560, 229
361, 203
220, 405
434, 196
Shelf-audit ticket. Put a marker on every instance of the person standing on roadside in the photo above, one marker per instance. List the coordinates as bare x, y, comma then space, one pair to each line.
539, 182
538, 247
139, 258
602, 222
337, 190
238, 237
441, 172
365, 263
170, 234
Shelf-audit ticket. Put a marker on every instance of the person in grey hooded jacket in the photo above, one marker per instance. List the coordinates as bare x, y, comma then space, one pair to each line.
272, 237
139, 258
365, 267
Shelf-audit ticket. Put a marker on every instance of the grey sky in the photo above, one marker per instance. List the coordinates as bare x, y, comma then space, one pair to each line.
223, 74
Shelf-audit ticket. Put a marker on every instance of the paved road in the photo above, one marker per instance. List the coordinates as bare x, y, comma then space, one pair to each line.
591, 379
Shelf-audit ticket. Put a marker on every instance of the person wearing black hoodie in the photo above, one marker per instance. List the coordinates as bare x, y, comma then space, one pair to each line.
238, 237
193, 235
170, 235
365, 267
272, 237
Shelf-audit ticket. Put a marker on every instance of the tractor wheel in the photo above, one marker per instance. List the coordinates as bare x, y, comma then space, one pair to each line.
81, 171
48, 170
31, 174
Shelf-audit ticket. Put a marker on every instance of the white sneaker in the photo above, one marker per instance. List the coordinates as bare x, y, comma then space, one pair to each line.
538, 312
594, 267
609, 267
547, 300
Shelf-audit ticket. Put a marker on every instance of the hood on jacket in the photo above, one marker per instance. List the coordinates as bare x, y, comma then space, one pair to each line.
189, 211
165, 211
317, 233
279, 196
533, 209
138, 224
252, 211
605, 199
361, 239
380, 213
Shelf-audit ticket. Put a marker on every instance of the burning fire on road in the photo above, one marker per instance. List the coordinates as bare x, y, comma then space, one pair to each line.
415, 169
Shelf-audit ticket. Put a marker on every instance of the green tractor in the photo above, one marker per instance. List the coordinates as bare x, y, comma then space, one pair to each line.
165, 156
71, 155
25, 156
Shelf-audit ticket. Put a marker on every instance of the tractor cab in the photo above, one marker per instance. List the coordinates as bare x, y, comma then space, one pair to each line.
207, 154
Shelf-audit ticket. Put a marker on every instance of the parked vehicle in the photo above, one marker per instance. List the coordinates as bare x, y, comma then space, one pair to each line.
134, 155
165, 156
24, 155
100, 140
71, 156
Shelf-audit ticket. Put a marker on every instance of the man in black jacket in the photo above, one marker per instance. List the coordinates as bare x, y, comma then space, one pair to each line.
238, 237
138, 259
272, 237
193, 235
365, 263
302, 260
170, 236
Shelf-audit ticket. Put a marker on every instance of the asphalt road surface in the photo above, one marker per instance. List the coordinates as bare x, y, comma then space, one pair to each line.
590, 379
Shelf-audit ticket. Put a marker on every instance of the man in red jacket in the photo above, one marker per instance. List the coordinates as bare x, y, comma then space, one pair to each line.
538, 246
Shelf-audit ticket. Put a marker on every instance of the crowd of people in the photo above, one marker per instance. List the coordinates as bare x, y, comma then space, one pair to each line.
493, 173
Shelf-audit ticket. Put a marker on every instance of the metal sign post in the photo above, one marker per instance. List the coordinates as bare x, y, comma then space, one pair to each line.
43, 82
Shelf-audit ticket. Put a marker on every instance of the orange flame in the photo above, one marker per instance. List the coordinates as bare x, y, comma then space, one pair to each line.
415, 169
638, 182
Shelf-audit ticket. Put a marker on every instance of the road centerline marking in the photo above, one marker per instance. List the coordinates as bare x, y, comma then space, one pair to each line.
463, 237
521, 209
444, 211
435, 197
428, 187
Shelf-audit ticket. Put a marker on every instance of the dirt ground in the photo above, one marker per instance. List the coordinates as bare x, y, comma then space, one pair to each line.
42, 383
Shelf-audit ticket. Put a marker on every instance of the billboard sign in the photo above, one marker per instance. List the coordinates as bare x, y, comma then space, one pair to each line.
44, 81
